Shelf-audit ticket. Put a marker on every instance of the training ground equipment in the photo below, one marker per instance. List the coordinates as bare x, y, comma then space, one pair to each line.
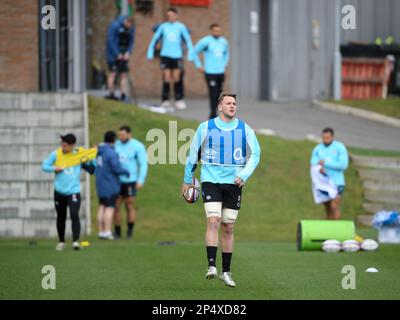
76, 157
369, 245
350, 246
312, 233
331, 246
193, 193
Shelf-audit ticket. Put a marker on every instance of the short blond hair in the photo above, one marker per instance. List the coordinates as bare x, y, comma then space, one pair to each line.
225, 94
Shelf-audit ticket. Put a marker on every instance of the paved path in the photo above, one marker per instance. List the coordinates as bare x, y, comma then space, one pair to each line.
299, 120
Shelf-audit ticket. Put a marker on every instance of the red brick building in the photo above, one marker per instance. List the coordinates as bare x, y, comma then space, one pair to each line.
19, 40
33, 59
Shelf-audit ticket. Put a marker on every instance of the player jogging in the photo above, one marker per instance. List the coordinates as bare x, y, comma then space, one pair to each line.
229, 153
67, 189
172, 34
216, 57
133, 157
333, 158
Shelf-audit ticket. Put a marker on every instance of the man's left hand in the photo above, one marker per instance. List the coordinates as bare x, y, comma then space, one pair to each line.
139, 186
239, 182
126, 56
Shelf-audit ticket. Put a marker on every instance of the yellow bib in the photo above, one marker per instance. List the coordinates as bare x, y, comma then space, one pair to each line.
76, 157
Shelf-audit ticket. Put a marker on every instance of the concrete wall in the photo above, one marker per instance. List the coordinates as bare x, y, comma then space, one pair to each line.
30, 125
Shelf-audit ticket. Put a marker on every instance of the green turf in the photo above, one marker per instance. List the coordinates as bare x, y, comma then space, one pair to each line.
389, 107
265, 262
276, 197
126, 270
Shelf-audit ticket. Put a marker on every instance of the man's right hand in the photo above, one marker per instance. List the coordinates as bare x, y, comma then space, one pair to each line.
58, 169
185, 188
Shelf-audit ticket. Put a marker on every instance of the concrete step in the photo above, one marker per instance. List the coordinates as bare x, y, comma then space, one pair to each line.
15, 172
381, 186
41, 228
40, 101
383, 197
38, 136
376, 162
32, 190
41, 118
32, 209
380, 175
374, 207
25, 153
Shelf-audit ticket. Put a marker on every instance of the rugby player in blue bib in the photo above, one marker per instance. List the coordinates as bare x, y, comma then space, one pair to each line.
229, 153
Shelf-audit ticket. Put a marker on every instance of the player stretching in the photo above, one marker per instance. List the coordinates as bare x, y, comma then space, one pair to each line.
172, 34
229, 153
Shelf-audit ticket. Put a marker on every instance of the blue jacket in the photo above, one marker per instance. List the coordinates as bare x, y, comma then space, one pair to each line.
171, 35
108, 170
216, 54
68, 181
113, 48
336, 160
133, 157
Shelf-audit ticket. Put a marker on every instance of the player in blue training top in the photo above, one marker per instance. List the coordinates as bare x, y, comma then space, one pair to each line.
172, 35
333, 157
67, 189
229, 153
119, 46
216, 57
133, 157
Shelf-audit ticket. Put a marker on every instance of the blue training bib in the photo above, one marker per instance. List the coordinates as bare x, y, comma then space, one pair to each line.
224, 147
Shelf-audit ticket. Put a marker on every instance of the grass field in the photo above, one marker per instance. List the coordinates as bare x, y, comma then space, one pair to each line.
389, 107
125, 270
266, 264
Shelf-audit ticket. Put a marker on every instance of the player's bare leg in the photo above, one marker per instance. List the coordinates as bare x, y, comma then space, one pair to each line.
176, 78
108, 219
131, 212
117, 218
124, 86
100, 220
213, 224
335, 209
167, 78
227, 240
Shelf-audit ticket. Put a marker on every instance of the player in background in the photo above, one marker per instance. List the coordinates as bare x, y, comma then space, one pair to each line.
332, 155
133, 157
216, 57
229, 154
119, 46
172, 34
67, 190
108, 170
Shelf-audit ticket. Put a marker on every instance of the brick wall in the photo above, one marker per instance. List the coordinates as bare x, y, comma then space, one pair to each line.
19, 45
146, 74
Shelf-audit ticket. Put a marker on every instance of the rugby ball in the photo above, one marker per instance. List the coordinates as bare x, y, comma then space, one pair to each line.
331, 246
350, 246
193, 193
369, 245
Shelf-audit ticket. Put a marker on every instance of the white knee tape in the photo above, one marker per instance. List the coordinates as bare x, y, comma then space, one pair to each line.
229, 215
213, 209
